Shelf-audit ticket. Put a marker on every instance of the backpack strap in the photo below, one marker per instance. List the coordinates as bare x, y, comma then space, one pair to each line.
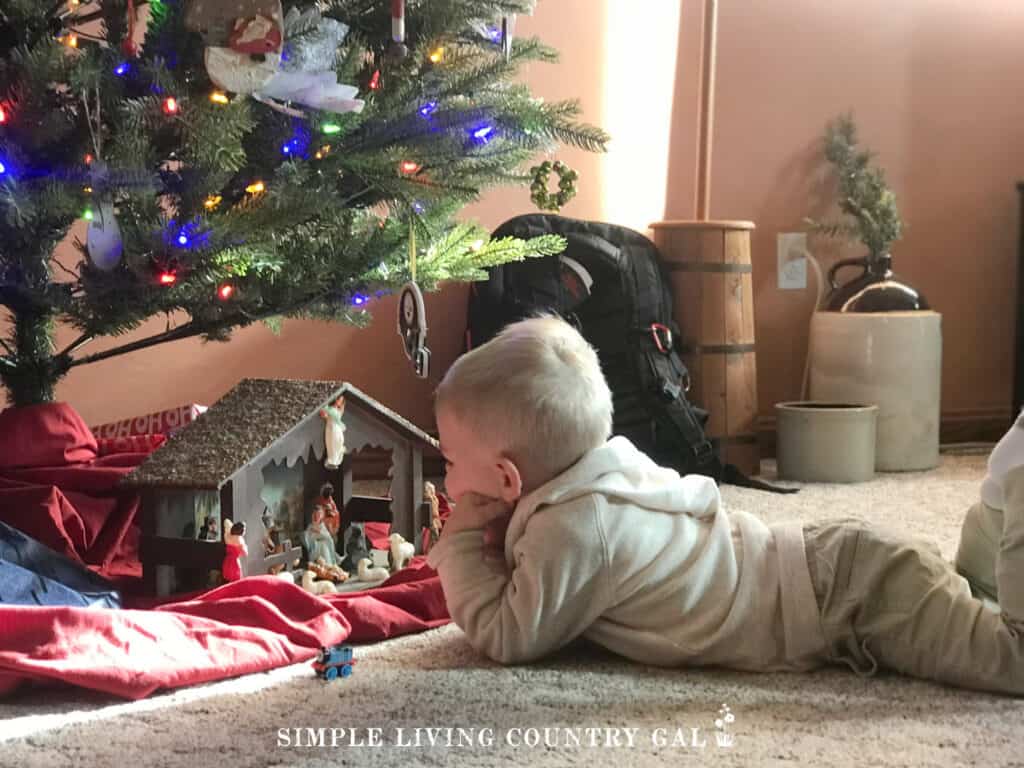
670, 403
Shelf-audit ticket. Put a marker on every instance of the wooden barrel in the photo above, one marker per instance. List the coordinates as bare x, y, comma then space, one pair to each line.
713, 294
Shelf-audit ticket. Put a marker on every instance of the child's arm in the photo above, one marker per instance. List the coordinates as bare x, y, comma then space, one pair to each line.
558, 586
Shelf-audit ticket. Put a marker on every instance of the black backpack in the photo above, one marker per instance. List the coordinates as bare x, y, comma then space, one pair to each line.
611, 284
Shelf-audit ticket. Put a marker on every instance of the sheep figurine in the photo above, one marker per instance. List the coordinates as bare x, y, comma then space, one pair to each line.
401, 552
368, 573
311, 585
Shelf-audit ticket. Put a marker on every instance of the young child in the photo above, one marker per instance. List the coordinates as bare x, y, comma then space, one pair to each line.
601, 542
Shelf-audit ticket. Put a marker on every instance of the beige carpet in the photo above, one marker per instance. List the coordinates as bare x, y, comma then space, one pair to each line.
583, 696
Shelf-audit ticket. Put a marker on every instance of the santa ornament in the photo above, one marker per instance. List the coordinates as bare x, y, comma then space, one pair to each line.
252, 24
254, 49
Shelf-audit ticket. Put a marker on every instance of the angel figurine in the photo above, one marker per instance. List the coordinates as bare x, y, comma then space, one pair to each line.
334, 433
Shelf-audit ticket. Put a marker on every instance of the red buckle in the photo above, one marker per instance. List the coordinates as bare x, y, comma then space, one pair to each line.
662, 337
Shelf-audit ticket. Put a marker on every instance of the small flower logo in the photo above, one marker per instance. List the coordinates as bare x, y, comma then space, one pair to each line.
725, 718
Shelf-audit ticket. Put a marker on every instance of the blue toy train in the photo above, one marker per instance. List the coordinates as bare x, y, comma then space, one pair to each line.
334, 661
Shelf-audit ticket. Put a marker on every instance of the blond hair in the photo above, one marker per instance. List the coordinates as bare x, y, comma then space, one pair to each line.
535, 392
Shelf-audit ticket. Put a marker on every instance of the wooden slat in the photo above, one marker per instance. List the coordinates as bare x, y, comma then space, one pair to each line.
713, 309
741, 398
713, 379
737, 247
712, 247
687, 291
747, 282
734, 331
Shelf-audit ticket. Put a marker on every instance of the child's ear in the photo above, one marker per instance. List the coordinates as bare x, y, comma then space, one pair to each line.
511, 481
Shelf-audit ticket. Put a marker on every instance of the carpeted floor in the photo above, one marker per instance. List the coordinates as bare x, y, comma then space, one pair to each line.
581, 701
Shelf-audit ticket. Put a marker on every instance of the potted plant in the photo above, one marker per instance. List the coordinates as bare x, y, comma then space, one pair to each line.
873, 218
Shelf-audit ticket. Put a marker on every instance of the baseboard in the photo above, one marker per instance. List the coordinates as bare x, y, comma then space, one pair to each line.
972, 425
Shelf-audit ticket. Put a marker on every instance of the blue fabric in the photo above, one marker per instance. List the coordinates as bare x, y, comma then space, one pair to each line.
33, 574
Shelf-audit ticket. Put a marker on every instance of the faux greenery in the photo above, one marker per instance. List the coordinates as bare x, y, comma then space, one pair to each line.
864, 195
330, 226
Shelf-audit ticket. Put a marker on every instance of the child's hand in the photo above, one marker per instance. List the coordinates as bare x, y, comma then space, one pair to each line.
494, 535
473, 511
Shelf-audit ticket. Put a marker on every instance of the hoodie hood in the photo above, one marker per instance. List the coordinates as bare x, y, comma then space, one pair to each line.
619, 470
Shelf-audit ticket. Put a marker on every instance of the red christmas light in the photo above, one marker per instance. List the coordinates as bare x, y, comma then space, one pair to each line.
3, 116
171, 105
168, 278
226, 291
408, 167
375, 81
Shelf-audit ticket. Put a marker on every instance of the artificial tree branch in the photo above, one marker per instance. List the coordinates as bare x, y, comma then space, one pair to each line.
81, 341
189, 330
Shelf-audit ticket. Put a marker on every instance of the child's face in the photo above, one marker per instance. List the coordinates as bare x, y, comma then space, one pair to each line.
471, 465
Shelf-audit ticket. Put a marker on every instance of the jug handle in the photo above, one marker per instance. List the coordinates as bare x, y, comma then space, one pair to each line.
862, 262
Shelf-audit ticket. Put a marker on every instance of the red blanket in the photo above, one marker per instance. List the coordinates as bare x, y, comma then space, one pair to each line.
56, 488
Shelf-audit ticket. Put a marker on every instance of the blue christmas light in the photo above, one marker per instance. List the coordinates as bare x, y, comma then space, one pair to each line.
494, 33
122, 69
297, 145
3, 168
428, 109
419, 207
482, 134
187, 235
359, 299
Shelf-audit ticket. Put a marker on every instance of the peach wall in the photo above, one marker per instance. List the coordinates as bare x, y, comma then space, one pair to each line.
935, 86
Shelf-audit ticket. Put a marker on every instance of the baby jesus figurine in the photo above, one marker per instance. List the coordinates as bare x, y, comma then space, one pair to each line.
334, 433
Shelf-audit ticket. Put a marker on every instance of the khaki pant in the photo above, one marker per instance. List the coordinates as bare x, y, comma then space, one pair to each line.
978, 550
888, 602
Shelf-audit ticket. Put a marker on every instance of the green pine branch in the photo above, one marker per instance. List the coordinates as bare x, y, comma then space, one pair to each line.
863, 194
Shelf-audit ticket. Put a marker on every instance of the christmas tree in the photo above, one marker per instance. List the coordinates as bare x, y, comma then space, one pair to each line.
241, 161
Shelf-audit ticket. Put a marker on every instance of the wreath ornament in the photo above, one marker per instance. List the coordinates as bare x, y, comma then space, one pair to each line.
539, 194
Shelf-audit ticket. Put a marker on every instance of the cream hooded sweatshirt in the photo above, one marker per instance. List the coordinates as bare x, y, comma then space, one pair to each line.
641, 561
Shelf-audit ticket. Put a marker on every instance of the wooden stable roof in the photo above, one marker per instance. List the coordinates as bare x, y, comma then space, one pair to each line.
244, 423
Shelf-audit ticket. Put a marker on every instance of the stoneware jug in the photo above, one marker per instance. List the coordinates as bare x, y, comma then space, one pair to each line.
876, 289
